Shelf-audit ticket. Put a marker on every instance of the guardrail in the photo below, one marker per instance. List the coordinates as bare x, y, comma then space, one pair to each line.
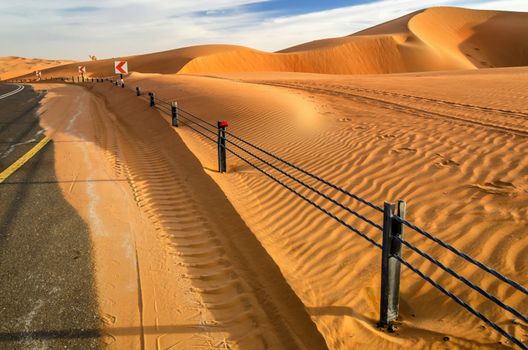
72, 79
391, 230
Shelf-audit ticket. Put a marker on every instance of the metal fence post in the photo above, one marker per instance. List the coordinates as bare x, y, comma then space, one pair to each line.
222, 161
152, 102
138, 92
174, 110
390, 266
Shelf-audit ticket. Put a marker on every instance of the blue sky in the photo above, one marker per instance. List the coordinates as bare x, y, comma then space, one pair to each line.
295, 7
73, 29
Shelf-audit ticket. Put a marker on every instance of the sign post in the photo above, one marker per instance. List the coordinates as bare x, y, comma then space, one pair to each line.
121, 67
82, 70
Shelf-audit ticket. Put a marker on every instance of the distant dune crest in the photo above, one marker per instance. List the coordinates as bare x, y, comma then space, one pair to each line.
13, 66
439, 38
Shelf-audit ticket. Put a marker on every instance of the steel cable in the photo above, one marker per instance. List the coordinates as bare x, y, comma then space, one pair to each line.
203, 127
307, 200
356, 197
201, 133
309, 187
200, 119
463, 279
463, 304
463, 255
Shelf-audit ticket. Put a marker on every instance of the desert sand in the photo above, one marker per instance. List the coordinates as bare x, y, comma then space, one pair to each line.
448, 134
454, 152
12, 66
176, 266
434, 39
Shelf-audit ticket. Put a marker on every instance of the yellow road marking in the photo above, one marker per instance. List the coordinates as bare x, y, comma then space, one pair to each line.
22, 160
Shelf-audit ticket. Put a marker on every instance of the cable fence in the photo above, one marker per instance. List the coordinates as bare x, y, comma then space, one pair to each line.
265, 162
288, 175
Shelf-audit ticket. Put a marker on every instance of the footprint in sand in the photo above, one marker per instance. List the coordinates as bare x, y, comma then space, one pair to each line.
108, 319
497, 187
108, 339
386, 136
446, 162
360, 127
405, 150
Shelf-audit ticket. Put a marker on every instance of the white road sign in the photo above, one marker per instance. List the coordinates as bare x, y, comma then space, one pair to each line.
121, 67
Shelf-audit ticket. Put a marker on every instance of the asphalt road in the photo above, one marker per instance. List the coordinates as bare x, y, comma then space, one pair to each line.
47, 294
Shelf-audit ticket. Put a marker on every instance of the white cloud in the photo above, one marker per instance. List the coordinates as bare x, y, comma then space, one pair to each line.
283, 32
108, 28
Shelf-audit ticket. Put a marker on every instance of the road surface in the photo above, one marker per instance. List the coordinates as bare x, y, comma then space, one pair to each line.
47, 295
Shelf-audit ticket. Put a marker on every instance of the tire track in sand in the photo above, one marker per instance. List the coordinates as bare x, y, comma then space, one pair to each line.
517, 128
237, 287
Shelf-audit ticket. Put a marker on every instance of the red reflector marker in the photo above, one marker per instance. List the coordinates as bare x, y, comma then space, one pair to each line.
222, 123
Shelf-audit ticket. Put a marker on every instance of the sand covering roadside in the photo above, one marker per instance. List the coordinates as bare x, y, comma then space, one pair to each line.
383, 138
175, 265
451, 144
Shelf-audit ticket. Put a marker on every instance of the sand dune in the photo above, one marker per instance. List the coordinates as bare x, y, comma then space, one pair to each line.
166, 62
450, 145
439, 38
12, 66
442, 38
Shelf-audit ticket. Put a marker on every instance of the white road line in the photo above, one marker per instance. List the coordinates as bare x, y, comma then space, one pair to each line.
20, 88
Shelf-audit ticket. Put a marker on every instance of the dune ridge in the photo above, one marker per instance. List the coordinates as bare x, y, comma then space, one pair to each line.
434, 39
13, 66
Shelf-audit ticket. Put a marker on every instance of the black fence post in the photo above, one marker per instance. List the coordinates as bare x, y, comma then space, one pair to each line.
390, 266
174, 110
222, 161
152, 102
138, 91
